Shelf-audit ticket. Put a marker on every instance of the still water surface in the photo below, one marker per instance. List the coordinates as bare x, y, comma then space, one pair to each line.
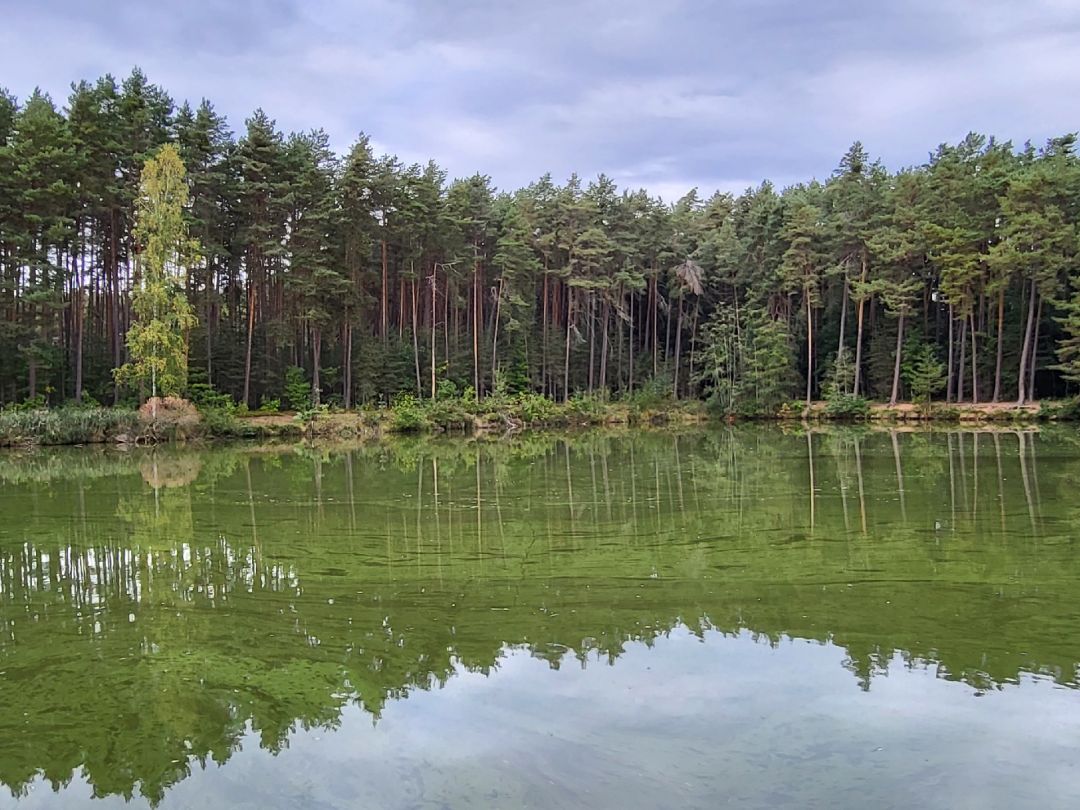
742, 617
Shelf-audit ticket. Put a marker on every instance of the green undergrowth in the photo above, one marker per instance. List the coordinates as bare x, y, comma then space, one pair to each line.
66, 425
528, 410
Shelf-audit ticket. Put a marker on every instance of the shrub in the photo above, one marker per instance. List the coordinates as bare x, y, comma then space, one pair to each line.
297, 388
35, 403
267, 405
407, 415
448, 413
847, 406
64, 425
1068, 411
222, 423
88, 401
446, 389
369, 416
791, 409
654, 394
168, 417
586, 408
205, 396
924, 373
535, 408
311, 413
945, 413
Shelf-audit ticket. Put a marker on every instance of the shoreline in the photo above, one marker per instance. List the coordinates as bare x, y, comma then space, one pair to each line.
106, 425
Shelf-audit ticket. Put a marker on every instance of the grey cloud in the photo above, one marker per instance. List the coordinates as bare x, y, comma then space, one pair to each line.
666, 95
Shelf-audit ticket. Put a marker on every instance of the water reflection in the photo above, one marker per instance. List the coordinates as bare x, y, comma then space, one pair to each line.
158, 608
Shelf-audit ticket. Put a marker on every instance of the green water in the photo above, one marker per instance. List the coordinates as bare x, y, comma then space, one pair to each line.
742, 617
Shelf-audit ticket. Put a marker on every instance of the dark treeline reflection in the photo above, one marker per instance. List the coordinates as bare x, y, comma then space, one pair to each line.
156, 606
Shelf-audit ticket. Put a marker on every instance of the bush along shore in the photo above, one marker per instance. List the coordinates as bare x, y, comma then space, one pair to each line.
173, 419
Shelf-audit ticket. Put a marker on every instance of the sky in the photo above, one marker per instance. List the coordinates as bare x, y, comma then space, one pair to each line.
661, 94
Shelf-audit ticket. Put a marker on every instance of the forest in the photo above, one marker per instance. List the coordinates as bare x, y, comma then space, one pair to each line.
369, 279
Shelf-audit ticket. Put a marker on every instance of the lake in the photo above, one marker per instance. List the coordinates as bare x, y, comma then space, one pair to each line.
751, 617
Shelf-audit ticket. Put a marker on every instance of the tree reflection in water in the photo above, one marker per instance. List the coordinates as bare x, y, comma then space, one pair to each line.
157, 605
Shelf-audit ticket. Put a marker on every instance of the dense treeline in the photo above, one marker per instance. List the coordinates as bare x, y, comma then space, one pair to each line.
379, 278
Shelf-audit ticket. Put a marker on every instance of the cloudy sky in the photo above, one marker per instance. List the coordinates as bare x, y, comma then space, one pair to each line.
666, 94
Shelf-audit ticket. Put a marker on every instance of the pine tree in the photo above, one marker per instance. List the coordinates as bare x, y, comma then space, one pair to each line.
856, 204
899, 249
313, 275
42, 155
262, 208
801, 267
469, 208
1039, 243
205, 145
517, 266
924, 373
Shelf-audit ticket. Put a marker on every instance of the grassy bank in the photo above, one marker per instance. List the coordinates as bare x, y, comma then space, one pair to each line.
1045, 411
57, 426
493, 415
178, 420
181, 421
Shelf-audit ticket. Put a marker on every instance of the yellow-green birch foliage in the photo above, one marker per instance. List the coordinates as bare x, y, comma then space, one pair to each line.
158, 338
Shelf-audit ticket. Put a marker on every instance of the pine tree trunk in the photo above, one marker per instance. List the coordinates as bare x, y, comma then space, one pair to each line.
655, 324
1025, 352
209, 346
415, 338
1000, 344
247, 353
556, 308
693, 343
896, 362
434, 332
621, 340
950, 393
858, 346
446, 323
114, 297
346, 394
566, 359
592, 343
809, 349
646, 317
667, 333
544, 332
843, 322
1033, 366
630, 371
974, 363
678, 350
79, 319
478, 317
604, 344
316, 363
859, 327
961, 364
384, 314
495, 331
